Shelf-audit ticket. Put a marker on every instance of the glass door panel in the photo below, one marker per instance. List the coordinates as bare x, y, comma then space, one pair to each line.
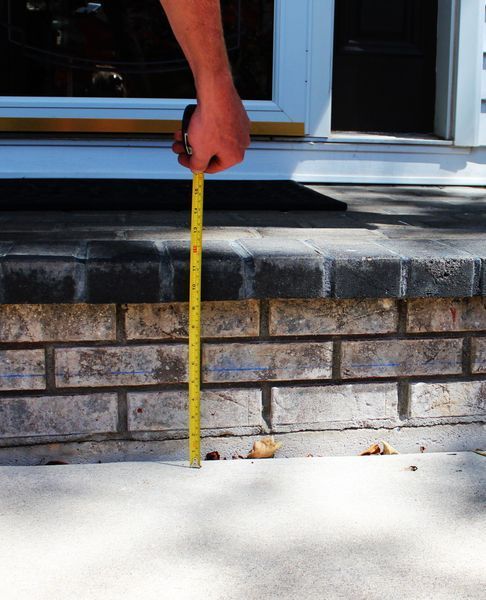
114, 66
122, 49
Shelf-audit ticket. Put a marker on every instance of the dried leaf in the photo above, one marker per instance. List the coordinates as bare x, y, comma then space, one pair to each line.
213, 455
423, 449
387, 449
373, 449
480, 452
264, 448
412, 468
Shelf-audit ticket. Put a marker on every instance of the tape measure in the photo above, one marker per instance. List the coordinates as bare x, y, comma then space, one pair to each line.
194, 303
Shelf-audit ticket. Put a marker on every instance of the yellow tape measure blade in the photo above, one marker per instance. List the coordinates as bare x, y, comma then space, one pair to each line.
195, 322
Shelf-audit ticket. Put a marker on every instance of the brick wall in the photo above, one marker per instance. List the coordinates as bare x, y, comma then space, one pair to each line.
106, 373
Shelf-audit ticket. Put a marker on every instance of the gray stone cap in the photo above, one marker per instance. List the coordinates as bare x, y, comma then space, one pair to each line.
273, 267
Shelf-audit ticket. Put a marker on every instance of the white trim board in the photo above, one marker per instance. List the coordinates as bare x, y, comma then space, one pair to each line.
482, 118
469, 69
309, 161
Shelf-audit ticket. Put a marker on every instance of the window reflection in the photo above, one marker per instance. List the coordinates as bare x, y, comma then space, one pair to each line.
122, 48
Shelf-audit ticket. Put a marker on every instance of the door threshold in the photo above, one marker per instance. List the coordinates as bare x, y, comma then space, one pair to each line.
360, 137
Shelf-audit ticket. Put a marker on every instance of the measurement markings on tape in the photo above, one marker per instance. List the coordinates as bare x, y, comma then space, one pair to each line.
195, 269
195, 321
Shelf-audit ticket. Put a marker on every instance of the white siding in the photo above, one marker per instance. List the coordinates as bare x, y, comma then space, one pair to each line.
482, 122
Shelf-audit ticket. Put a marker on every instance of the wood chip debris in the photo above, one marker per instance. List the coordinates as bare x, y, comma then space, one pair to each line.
387, 449
264, 448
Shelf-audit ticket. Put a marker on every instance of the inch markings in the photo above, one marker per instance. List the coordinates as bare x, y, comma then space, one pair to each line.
195, 322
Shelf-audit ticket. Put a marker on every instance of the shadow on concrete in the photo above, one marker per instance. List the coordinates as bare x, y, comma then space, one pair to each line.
285, 529
121, 211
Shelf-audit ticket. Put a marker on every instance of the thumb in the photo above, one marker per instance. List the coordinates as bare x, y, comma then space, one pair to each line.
198, 162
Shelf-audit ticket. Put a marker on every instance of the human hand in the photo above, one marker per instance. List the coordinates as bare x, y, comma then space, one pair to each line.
219, 133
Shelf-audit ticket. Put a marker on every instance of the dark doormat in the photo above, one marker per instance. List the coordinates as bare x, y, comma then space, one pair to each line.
120, 194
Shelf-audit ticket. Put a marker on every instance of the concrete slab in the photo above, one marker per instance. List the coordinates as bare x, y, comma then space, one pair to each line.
331, 528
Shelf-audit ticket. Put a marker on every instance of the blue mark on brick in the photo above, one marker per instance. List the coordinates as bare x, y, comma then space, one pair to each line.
20, 375
129, 372
397, 364
226, 369
257, 368
84, 373
364, 366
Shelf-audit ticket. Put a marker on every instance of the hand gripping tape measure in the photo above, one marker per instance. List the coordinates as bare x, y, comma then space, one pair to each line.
194, 302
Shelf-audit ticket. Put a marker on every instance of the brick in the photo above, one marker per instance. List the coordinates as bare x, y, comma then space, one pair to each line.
478, 355
332, 317
126, 271
449, 399
128, 365
360, 268
170, 321
433, 269
286, 269
475, 244
224, 271
57, 322
444, 314
266, 361
43, 273
220, 409
334, 406
391, 358
58, 415
22, 370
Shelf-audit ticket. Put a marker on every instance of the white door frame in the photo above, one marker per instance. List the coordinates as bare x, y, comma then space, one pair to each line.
469, 59
302, 78
303, 64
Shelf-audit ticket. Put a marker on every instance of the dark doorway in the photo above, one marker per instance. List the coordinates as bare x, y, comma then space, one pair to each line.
384, 66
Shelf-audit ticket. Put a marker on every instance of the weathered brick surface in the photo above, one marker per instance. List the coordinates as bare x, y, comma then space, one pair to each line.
446, 314
448, 399
58, 415
326, 316
266, 361
168, 410
433, 269
478, 355
126, 271
360, 268
57, 322
224, 271
286, 270
473, 242
171, 321
22, 370
334, 406
43, 272
389, 358
313, 401
129, 365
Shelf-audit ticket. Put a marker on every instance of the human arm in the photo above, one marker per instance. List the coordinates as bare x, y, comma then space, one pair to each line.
219, 130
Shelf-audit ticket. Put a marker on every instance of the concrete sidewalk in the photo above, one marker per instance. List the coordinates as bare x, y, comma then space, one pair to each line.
306, 528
